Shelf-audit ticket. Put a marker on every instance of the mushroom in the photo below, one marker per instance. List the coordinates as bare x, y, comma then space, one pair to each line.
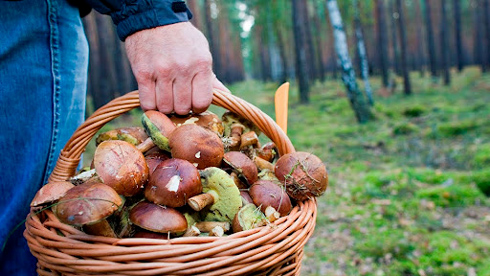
263, 164
234, 127
248, 217
141, 233
121, 166
267, 152
207, 226
267, 193
246, 198
173, 182
51, 192
206, 119
198, 145
154, 157
89, 205
242, 165
249, 139
221, 197
158, 126
132, 135
157, 218
303, 174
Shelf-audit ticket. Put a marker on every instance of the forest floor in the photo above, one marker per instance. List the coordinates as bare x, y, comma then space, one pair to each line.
403, 196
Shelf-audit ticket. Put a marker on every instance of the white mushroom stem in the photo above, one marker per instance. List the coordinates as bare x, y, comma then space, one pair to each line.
200, 201
271, 214
235, 134
145, 145
263, 164
192, 231
249, 139
207, 226
217, 231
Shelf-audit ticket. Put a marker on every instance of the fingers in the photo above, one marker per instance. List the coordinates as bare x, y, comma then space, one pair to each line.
164, 94
147, 94
202, 92
182, 94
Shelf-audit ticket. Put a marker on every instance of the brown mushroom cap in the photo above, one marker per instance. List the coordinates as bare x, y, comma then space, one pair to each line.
51, 192
303, 174
121, 166
87, 204
207, 119
154, 157
197, 145
157, 218
173, 182
242, 165
266, 193
158, 126
132, 135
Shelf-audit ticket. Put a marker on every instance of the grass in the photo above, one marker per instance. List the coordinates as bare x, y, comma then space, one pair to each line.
403, 197
406, 192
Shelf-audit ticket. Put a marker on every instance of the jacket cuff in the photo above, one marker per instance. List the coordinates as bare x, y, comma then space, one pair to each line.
147, 14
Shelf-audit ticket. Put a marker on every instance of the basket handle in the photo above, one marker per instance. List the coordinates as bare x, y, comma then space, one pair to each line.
70, 155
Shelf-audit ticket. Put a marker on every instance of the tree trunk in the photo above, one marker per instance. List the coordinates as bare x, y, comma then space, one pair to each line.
357, 101
196, 13
382, 40
403, 45
457, 34
107, 82
478, 51
420, 45
310, 49
361, 49
318, 42
430, 39
213, 44
486, 12
444, 44
394, 39
300, 50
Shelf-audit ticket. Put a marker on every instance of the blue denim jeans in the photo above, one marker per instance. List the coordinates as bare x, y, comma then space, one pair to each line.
43, 76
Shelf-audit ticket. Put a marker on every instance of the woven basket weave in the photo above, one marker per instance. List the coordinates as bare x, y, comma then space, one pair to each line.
275, 249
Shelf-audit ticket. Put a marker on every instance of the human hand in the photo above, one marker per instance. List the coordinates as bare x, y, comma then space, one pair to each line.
173, 67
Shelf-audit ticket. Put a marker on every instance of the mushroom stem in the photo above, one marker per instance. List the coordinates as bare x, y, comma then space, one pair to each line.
217, 231
192, 231
235, 135
271, 214
145, 145
200, 201
263, 164
207, 226
238, 182
249, 139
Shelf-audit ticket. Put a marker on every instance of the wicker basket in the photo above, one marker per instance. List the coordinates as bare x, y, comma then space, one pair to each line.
276, 249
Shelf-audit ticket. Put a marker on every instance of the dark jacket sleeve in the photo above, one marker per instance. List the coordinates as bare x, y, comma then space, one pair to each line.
131, 16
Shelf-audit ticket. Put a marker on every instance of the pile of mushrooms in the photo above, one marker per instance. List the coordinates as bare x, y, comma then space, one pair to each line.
195, 175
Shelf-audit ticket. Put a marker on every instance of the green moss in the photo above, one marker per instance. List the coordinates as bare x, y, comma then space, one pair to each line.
377, 245
405, 128
414, 111
457, 127
451, 196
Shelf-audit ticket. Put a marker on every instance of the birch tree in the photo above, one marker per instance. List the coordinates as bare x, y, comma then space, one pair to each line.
403, 45
357, 101
361, 49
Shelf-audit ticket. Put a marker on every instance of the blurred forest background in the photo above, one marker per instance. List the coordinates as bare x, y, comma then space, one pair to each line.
391, 94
